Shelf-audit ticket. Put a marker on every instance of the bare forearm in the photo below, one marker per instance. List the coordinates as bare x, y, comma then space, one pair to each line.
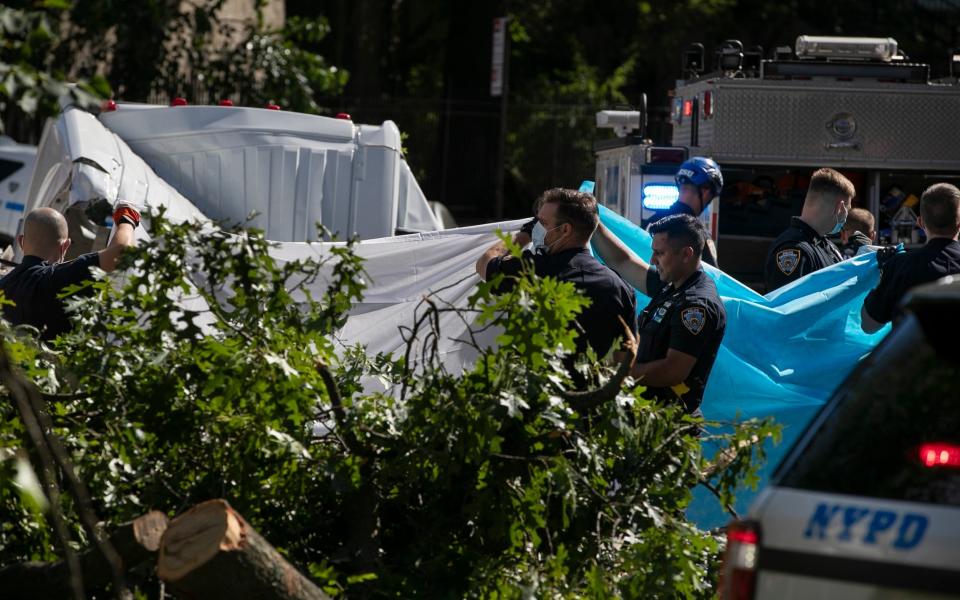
632, 268
669, 371
657, 373
124, 237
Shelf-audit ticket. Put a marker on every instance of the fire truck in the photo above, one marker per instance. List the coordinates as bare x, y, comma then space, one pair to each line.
854, 104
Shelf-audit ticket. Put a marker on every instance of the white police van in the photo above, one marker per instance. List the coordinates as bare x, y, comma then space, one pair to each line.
867, 503
16, 164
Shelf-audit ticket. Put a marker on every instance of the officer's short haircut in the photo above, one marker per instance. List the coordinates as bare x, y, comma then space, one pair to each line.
860, 219
682, 230
45, 227
828, 184
940, 207
577, 208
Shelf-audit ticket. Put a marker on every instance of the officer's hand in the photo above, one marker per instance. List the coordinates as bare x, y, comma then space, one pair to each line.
126, 214
527, 227
886, 253
858, 239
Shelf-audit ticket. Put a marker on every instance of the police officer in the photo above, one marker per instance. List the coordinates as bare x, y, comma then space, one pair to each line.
35, 284
700, 181
939, 257
561, 232
804, 248
858, 232
682, 326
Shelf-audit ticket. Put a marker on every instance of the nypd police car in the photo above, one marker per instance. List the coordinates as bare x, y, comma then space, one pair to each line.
867, 503
16, 166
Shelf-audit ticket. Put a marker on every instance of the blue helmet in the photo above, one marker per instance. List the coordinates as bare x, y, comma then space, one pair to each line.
701, 171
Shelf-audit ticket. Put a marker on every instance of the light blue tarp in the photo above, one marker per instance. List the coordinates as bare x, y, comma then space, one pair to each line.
782, 355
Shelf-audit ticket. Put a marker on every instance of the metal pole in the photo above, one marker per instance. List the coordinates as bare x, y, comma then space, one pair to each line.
501, 145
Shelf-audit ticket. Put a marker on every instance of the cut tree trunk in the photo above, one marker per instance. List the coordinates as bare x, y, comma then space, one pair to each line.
135, 543
211, 552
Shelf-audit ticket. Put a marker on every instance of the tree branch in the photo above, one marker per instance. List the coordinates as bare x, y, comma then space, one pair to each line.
37, 422
609, 390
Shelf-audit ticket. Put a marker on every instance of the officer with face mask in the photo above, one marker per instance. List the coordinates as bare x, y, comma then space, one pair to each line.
804, 248
560, 234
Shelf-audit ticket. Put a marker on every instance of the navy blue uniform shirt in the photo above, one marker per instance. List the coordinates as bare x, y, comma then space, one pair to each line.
937, 258
798, 251
34, 285
690, 319
609, 295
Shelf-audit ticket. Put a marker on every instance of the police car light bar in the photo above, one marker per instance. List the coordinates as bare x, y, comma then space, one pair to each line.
846, 48
658, 196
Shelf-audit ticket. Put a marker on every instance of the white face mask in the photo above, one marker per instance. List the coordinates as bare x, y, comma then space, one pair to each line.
539, 236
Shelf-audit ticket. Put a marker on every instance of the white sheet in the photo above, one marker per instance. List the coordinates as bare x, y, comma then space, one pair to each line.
403, 270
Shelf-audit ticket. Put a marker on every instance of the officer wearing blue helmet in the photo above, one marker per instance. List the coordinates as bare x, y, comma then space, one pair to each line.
700, 181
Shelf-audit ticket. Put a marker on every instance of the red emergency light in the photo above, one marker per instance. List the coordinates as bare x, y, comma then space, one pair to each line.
938, 454
738, 574
108, 106
344, 116
226, 102
272, 106
688, 108
742, 535
708, 103
178, 101
668, 155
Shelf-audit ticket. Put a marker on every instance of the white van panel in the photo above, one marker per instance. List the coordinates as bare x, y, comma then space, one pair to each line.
291, 171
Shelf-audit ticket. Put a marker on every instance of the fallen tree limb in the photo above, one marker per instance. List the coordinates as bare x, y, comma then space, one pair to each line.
609, 390
725, 457
211, 552
135, 543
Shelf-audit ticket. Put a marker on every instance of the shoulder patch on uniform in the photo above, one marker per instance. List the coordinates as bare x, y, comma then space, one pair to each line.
787, 260
693, 319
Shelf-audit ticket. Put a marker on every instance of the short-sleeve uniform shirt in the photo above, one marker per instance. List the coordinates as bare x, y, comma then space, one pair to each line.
690, 319
609, 295
937, 258
799, 251
34, 286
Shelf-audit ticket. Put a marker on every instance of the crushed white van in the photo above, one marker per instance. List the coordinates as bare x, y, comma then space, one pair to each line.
279, 171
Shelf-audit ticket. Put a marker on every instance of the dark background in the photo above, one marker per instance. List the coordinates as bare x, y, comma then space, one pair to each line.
425, 64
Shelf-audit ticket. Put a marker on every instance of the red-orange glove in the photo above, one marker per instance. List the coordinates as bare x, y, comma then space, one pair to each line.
125, 214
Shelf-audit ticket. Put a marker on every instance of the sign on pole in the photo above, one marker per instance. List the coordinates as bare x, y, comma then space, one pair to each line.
497, 58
